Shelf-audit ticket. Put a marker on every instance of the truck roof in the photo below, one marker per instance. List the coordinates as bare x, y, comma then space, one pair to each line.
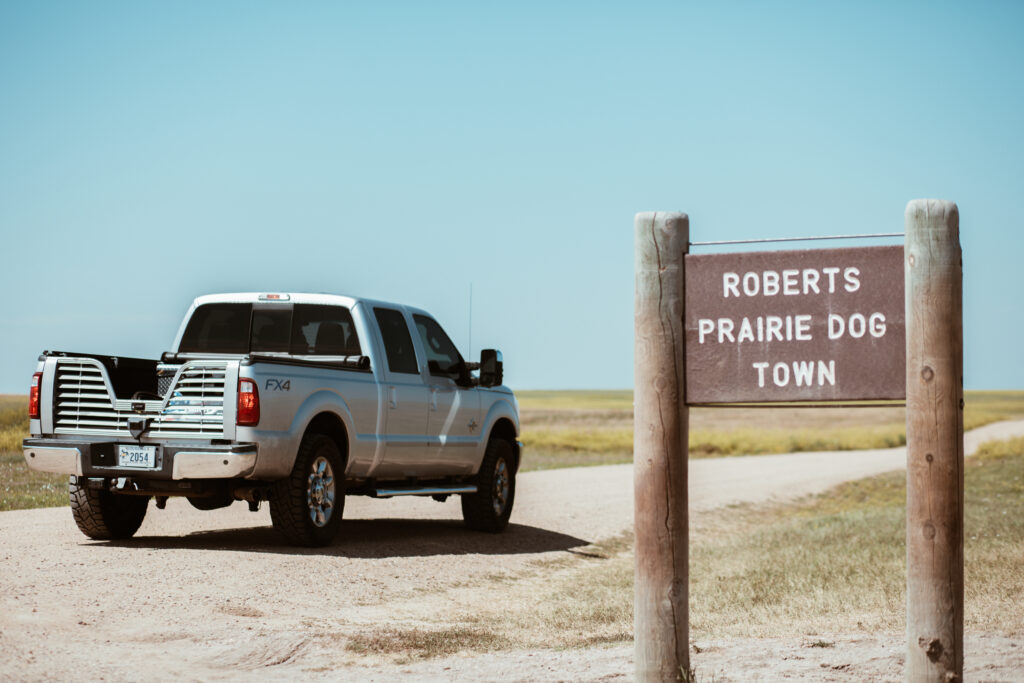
298, 298
285, 297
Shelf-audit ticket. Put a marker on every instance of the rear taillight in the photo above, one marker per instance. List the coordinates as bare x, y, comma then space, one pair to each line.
33, 396
248, 413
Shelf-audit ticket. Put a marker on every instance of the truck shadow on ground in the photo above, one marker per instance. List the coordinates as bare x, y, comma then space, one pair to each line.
373, 538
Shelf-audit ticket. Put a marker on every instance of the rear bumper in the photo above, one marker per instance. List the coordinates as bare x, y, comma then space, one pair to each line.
174, 461
56, 459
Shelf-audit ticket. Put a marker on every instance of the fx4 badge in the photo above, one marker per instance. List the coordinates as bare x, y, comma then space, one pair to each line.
278, 385
472, 424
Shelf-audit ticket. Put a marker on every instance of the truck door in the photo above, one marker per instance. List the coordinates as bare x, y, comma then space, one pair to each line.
406, 398
453, 420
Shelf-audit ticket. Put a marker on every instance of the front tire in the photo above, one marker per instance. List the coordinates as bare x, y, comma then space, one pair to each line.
103, 515
490, 507
306, 507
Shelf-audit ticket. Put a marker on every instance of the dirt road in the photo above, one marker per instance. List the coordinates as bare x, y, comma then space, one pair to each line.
214, 595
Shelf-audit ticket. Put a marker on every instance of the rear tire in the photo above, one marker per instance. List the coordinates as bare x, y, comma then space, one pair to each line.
490, 507
104, 515
306, 507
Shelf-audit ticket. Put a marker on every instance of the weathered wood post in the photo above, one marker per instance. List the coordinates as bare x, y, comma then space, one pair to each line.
660, 448
935, 443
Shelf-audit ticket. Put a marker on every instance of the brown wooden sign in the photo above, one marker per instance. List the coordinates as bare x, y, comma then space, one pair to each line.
805, 325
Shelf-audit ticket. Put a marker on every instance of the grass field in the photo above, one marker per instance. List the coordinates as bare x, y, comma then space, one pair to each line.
13, 421
20, 487
834, 563
576, 428
831, 564
573, 428
838, 561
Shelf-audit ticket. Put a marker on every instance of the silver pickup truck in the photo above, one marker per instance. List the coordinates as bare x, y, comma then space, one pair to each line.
294, 399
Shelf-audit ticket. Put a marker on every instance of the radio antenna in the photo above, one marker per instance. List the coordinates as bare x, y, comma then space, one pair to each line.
469, 350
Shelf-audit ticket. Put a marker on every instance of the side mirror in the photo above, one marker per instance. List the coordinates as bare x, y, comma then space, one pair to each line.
491, 374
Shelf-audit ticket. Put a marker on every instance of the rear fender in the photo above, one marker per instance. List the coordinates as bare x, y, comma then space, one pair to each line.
277, 449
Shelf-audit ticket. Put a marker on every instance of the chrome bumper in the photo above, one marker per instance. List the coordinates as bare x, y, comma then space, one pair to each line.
206, 465
175, 461
59, 460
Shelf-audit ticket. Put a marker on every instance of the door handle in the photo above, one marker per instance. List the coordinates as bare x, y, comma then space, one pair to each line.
392, 397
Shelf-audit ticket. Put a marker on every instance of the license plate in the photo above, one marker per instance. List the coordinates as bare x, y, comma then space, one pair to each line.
141, 457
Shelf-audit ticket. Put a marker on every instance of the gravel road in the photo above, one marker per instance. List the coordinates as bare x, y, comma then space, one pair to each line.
214, 595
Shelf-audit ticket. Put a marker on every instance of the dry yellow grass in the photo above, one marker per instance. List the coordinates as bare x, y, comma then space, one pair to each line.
837, 563
577, 428
20, 487
579, 600
13, 422
834, 563
568, 429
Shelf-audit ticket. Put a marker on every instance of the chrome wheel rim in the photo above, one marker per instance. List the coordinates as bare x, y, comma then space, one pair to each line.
499, 494
320, 492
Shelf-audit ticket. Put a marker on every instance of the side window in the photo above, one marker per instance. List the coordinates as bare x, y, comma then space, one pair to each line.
271, 327
324, 331
438, 346
397, 342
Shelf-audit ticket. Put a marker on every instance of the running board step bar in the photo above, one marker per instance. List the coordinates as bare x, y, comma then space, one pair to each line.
426, 491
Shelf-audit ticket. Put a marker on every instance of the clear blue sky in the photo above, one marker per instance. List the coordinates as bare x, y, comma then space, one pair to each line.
151, 152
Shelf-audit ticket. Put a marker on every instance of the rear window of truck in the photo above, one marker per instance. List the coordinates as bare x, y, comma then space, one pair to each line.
324, 331
218, 328
302, 329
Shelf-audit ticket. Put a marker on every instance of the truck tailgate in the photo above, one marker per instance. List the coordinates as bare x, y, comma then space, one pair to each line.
199, 402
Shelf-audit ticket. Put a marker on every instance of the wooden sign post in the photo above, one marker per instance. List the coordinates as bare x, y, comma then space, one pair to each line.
818, 325
660, 446
935, 443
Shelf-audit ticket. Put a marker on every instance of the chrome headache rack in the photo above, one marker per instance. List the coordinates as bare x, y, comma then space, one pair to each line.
192, 402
